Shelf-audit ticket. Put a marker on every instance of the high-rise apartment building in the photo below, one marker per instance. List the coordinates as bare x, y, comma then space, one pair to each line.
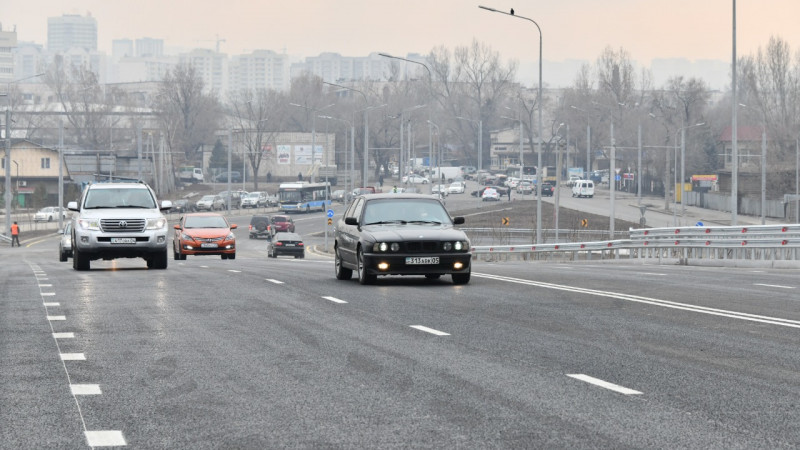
71, 31
149, 48
8, 41
261, 69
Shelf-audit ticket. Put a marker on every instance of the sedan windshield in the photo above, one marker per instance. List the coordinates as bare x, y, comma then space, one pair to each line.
205, 222
402, 211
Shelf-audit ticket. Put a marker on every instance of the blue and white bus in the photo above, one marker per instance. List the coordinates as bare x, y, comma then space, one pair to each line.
302, 196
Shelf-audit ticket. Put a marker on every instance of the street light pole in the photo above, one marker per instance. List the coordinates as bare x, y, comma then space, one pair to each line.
366, 128
430, 91
539, 143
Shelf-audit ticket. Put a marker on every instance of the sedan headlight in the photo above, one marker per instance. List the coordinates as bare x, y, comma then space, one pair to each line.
89, 224
156, 224
186, 237
384, 247
230, 237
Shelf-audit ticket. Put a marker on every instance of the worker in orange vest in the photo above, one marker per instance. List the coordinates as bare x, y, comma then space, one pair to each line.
15, 234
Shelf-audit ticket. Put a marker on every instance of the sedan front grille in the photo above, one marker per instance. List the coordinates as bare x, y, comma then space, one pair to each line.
422, 246
122, 225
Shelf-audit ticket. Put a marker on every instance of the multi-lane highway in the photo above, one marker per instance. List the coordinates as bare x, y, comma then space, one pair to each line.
273, 353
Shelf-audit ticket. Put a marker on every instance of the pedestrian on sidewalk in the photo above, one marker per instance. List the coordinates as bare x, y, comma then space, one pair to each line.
15, 234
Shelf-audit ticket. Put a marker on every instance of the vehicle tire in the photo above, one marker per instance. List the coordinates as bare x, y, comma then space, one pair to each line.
175, 254
432, 276
223, 256
49, 218
272, 254
363, 277
461, 278
308, 209
62, 256
232, 256
79, 261
158, 261
182, 256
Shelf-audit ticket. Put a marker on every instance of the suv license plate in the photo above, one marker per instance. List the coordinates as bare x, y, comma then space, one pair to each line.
123, 240
422, 260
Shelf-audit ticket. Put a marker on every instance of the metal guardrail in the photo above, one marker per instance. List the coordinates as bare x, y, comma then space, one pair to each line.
758, 242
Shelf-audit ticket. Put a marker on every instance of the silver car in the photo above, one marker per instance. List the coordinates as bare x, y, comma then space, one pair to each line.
65, 243
210, 203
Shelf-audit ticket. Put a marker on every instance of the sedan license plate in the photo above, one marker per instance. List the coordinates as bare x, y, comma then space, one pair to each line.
417, 260
208, 245
123, 240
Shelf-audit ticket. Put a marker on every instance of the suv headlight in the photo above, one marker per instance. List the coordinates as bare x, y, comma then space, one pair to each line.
89, 224
156, 224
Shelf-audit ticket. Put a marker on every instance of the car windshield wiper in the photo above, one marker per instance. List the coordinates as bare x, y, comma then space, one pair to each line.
383, 222
436, 222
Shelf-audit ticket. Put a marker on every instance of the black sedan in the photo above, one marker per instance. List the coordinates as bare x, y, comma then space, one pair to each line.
400, 234
286, 244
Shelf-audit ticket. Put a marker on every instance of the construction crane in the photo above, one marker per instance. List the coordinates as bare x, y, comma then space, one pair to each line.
217, 40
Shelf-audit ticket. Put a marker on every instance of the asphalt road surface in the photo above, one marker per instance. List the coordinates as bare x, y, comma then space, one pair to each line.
276, 353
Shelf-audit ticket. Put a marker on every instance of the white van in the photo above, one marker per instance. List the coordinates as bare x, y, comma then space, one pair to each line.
583, 188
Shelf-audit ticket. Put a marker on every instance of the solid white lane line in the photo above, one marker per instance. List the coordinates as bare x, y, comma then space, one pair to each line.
45, 285
274, 281
69, 335
105, 438
48, 294
73, 357
85, 389
773, 285
430, 330
52, 304
604, 384
56, 317
650, 301
652, 274
333, 299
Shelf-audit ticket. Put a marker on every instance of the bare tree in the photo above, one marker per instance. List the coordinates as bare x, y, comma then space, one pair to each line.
189, 116
257, 116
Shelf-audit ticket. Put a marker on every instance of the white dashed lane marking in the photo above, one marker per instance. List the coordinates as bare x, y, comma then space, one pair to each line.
430, 330
52, 318
85, 389
604, 384
274, 281
773, 286
333, 299
73, 357
69, 335
105, 438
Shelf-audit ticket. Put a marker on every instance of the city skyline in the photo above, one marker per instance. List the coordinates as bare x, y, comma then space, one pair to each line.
573, 30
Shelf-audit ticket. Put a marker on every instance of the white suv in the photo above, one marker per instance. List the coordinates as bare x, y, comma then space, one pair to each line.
119, 220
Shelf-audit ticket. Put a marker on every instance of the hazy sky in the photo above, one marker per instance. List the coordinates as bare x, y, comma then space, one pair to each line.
572, 29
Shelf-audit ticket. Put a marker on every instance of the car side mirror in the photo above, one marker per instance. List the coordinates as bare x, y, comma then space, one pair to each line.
351, 221
177, 227
72, 206
458, 220
233, 226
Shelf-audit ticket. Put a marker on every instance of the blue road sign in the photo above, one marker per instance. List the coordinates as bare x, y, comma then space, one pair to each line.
330, 213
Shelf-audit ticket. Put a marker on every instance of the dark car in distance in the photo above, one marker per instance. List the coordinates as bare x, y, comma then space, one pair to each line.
286, 244
260, 226
400, 234
281, 222
547, 190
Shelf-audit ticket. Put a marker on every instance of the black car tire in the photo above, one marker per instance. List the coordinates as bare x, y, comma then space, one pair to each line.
232, 256
461, 278
175, 254
79, 261
158, 261
62, 256
363, 277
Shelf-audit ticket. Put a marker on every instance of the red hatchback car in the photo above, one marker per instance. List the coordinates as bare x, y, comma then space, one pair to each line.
204, 234
282, 223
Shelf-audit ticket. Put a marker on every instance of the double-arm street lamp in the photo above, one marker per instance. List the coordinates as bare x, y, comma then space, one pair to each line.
430, 91
7, 197
366, 129
314, 112
539, 143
